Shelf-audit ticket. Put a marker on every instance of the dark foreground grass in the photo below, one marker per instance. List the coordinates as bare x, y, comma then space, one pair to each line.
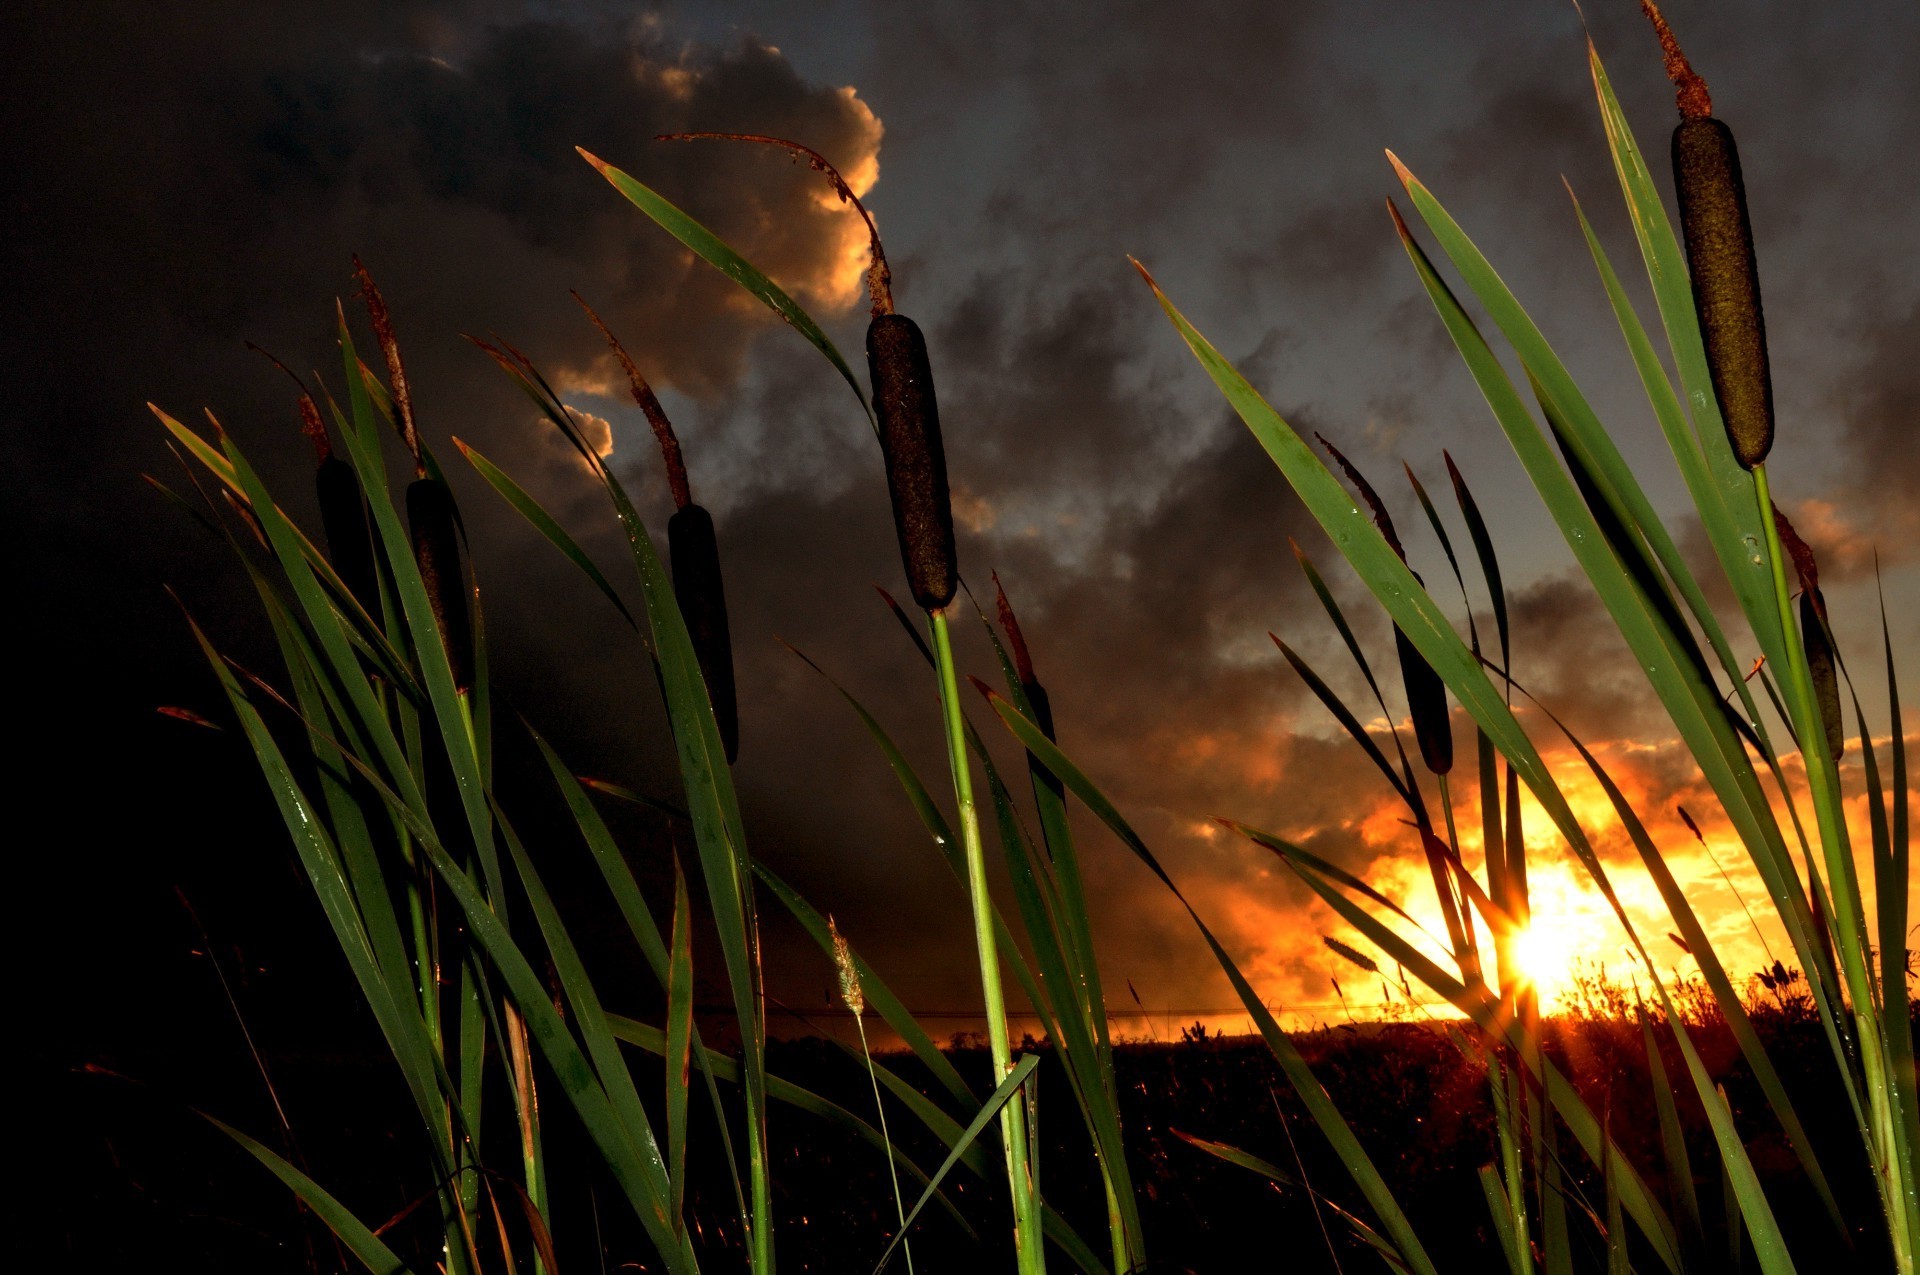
143, 1176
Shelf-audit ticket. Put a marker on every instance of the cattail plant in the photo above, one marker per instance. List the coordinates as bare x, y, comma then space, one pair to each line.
694, 551
908, 419
432, 518
1720, 261
343, 506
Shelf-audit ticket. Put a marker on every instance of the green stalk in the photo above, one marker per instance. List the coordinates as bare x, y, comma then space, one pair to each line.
880, 1108
1013, 1121
1845, 915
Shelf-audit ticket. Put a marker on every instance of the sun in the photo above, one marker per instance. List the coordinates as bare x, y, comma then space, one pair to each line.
1545, 955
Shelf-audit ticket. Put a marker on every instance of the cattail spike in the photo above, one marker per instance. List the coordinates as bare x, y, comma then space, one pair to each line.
1720, 259
1822, 669
909, 418
434, 523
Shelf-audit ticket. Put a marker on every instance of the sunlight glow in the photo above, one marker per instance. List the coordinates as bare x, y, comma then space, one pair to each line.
1545, 955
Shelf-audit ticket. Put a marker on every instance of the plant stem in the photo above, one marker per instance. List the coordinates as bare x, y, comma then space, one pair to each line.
893, 1172
1013, 1122
1846, 915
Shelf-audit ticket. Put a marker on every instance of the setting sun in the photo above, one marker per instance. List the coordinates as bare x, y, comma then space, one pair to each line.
1545, 955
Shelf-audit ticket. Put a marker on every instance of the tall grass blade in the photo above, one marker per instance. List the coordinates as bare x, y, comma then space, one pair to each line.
995, 1105
708, 246
1280, 1177
1318, 1102
543, 522
679, 1042
360, 1240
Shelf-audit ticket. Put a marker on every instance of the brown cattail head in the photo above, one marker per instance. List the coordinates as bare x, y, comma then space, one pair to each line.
436, 549
1726, 281
343, 517
916, 463
695, 552
1720, 261
1821, 668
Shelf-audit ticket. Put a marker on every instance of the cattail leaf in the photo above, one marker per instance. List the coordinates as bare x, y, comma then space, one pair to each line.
613, 1100
1673, 1140
543, 522
1696, 942
1427, 704
679, 1043
1446, 548
1722, 490
1636, 1197
583, 1077
360, 1239
1695, 707
708, 246
712, 801
1408, 786
654, 1041
998, 1099
1234, 1155
1489, 560
880, 997
1646, 548
1320, 1105
1723, 530
1351, 724
645, 931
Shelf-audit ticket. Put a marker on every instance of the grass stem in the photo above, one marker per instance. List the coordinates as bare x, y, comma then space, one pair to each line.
1013, 1122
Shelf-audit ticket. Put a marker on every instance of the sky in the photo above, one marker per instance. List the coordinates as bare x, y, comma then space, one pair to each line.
188, 178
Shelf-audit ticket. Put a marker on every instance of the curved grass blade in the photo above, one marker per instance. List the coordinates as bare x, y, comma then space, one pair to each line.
654, 1041
1247, 1160
708, 246
1319, 1103
1342, 714
995, 1102
879, 995
355, 1234
712, 802
1647, 549
679, 1043
544, 523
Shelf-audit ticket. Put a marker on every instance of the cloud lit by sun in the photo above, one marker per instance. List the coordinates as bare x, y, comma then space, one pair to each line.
1575, 938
